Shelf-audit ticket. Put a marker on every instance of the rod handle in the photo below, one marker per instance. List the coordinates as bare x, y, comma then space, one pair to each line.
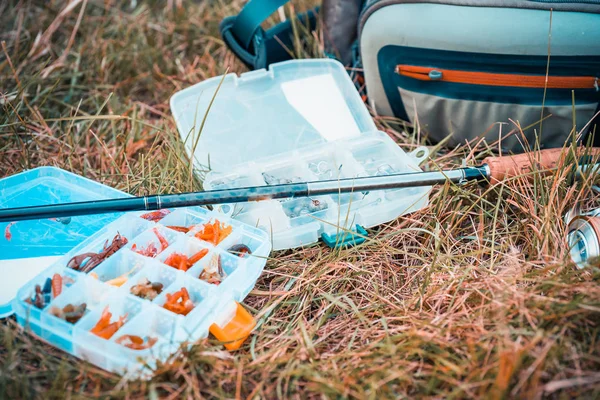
506, 167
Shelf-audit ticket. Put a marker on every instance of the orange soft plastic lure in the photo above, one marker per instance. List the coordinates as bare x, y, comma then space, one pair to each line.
181, 229
135, 342
163, 241
214, 233
151, 250
182, 262
104, 328
177, 261
155, 216
197, 257
57, 283
179, 302
112, 328
103, 321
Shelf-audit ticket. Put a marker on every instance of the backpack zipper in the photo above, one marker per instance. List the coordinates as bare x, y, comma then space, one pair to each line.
495, 79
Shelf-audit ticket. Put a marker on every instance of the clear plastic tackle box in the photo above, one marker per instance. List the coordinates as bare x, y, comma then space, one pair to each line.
298, 121
117, 298
158, 288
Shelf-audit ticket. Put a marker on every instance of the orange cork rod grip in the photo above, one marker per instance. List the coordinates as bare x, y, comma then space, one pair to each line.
506, 167
236, 330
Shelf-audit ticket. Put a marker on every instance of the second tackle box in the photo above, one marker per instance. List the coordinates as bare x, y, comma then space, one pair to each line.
299, 121
127, 297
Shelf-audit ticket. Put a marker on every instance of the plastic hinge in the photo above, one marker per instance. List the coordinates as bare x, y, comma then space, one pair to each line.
345, 238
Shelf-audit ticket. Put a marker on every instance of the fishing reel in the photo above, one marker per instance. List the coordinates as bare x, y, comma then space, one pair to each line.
584, 239
583, 235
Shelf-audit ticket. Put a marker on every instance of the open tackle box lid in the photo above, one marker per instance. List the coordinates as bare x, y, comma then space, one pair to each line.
28, 247
301, 120
263, 113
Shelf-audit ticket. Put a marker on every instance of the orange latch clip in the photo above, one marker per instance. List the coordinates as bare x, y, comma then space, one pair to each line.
237, 330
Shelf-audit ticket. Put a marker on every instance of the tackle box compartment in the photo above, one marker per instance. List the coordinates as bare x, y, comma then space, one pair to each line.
225, 269
299, 121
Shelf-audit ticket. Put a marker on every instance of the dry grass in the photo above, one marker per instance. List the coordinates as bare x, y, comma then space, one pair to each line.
472, 297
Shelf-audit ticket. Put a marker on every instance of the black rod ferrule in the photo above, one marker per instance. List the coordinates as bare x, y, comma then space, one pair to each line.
479, 174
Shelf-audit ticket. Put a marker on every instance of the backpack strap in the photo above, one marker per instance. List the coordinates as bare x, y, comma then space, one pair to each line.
254, 46
252, 15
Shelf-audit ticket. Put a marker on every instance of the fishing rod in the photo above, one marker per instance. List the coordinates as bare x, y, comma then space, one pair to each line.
492, 170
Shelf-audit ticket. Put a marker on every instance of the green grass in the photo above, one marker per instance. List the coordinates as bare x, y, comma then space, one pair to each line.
472, 297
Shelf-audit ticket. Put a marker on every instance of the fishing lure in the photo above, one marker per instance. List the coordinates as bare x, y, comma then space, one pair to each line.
151, 250
70, 313
57, 283
135, 342
155, 216
213, 273
177, 261
8, 234
118, 281
182, 262
181, 229
163, 241
94, 259
38, 299
179, 302
214, 233
305, 206
240, 250
104, 328
43, 295
146, 289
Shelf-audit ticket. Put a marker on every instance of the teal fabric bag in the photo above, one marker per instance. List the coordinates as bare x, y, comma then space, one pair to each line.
460, 70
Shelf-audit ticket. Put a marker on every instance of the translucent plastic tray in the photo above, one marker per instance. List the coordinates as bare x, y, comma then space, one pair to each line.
301, 221
148, 319
300, 120
49, 237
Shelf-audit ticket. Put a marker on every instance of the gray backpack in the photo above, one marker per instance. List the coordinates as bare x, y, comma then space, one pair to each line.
511, 71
